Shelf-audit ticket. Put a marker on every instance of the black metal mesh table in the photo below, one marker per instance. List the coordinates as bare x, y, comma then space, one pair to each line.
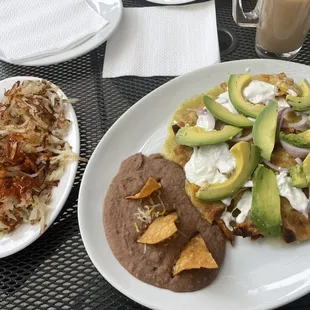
55, 271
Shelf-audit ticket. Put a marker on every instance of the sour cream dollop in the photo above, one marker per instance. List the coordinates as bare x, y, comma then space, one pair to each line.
258, 91
282, 103
205, 120
224, 100
295, 196
248, 184
208, 163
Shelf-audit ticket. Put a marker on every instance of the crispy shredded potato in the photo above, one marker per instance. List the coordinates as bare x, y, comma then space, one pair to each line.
33, 152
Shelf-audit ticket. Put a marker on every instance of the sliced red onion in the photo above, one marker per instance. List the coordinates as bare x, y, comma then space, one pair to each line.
302, 124
245, 138
238, 135
274, 167
294, 150
281, 115
299, 161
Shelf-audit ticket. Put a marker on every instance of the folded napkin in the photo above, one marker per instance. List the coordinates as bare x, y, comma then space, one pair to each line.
35, 28
163, 41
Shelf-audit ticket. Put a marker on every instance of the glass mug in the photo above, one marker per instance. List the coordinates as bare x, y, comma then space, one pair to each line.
282, 26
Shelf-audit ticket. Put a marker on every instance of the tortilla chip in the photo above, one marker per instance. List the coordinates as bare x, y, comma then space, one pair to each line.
295, 226
148, 189
209, 210
195, 256
160, 229
281, 158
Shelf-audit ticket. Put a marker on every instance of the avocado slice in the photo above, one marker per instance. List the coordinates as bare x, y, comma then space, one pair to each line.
224, 115
264, 130
236, 84
196, 136
265, 212
302, 103
306, 168
299, 140
298, 177
247, 157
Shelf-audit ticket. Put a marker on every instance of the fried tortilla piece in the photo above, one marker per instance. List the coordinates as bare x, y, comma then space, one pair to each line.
295, 226
228, 234
247, 230
281, 158
195, 255
148, 189
160, 229
209, 210
181, 153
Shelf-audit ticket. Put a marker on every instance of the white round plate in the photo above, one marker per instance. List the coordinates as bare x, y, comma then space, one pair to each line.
111, 10
25, 234
255, 275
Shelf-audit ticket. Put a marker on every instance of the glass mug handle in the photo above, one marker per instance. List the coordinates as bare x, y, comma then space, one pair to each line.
246, 19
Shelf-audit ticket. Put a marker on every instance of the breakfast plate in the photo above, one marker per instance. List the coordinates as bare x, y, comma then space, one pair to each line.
24, 234
264, 274
111, 10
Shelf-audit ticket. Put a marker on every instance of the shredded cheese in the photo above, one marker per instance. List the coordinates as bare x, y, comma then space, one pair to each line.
137, 228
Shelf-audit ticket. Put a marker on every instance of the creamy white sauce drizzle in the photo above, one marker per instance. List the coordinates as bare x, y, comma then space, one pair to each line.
227, 217
244, 205
295, 196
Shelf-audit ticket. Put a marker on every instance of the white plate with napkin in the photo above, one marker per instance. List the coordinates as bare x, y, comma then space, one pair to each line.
43, 32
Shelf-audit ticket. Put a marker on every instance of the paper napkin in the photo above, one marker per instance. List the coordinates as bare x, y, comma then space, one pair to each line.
169, 41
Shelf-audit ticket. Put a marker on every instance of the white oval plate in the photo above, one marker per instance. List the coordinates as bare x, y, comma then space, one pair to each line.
255, 275
25, 234
111, 10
